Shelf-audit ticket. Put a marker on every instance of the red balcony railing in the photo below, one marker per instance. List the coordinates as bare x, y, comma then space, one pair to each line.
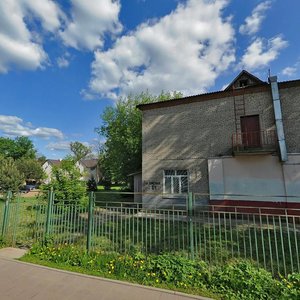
254, 141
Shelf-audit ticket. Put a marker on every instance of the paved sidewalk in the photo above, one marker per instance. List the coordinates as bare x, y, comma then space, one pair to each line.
24, 281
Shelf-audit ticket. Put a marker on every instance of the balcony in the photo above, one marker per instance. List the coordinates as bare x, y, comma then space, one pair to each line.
254, 142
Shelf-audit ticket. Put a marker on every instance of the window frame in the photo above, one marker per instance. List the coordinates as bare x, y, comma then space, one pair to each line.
175, 175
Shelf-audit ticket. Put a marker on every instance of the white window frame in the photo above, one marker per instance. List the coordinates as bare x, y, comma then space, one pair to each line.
172, 181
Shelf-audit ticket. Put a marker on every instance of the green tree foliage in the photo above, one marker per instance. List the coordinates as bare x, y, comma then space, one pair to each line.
91, 185
31, 169
79, 150
11, 178
41, 158
20, 147
121, 153
66, 183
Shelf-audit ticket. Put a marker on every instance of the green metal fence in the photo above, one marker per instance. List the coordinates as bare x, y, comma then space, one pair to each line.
114, 222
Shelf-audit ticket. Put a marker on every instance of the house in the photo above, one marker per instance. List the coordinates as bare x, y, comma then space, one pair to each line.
47, 166
89, 168
239, 146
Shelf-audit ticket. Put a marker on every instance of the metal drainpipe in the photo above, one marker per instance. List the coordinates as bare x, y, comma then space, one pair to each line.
278, 118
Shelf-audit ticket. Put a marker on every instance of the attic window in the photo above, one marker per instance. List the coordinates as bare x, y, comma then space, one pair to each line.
244, 82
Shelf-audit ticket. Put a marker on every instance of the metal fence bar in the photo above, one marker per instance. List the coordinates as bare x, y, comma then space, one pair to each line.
210, 232
90, 221
6, 211
49, 212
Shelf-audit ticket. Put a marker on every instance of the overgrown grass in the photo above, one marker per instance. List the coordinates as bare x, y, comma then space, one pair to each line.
25, 221
236, 279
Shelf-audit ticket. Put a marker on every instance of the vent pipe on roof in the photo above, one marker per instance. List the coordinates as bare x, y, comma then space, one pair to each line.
278, 118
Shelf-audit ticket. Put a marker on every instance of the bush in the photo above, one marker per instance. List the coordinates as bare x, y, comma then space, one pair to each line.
243, 280
67, 184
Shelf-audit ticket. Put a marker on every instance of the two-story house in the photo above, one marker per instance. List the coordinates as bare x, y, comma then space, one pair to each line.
236, 146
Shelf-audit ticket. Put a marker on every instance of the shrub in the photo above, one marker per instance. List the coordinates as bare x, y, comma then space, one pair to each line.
239, 279
243, 280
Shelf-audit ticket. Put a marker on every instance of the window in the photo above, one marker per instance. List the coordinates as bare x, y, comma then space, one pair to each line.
175, 181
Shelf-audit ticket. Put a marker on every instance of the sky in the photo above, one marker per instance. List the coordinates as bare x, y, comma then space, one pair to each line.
62, 62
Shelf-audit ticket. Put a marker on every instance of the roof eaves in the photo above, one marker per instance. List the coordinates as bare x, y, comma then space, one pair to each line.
204, 97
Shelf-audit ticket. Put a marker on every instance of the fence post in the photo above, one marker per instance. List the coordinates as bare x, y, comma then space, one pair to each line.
191, 225
6, 209
90, 221
49, 212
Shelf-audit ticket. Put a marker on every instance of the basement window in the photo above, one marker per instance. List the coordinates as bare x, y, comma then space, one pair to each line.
175, 181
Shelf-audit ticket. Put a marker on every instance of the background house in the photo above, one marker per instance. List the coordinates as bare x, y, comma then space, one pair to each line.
241, 144
47, 167
89, 168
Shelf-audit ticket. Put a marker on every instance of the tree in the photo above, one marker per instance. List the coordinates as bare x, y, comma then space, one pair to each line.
20, 147
121, 153
31, 169
91, 185
66, 183
41, 158
79, 150
11, 178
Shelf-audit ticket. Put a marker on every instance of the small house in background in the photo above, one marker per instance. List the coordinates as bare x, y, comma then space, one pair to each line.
89, 168
48, 166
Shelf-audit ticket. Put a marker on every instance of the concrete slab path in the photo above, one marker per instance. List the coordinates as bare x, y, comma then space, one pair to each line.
24, 281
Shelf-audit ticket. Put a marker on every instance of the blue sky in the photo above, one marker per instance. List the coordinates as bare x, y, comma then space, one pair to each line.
63, 61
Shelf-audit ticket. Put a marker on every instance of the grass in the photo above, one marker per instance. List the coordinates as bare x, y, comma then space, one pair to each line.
104, 274
236, 279
112, 188
112, 197
25, 221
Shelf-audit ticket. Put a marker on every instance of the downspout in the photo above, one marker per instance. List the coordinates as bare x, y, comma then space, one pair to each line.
278, 118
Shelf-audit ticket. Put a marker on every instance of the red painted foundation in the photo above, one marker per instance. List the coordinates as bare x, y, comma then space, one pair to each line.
256, 207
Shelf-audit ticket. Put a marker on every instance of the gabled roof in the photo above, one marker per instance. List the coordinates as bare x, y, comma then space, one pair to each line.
89, 163
244, 75
53, 162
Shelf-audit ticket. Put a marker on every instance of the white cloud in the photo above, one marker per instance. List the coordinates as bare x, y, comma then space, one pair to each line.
62, 62
14, 126
59, 146
19, 46
91, 19
23, 24
261, 53
289, 71
63, 145
253, 22
185, 50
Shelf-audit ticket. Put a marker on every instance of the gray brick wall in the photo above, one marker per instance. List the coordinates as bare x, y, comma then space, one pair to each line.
184, 136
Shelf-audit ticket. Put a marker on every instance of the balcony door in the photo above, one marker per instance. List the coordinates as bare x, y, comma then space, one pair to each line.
250, 131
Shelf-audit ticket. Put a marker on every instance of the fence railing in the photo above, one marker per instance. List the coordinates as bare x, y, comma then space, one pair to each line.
114, 222
254, 140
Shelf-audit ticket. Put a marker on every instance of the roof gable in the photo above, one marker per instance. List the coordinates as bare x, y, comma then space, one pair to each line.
53, 162
242, 80
89, 163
